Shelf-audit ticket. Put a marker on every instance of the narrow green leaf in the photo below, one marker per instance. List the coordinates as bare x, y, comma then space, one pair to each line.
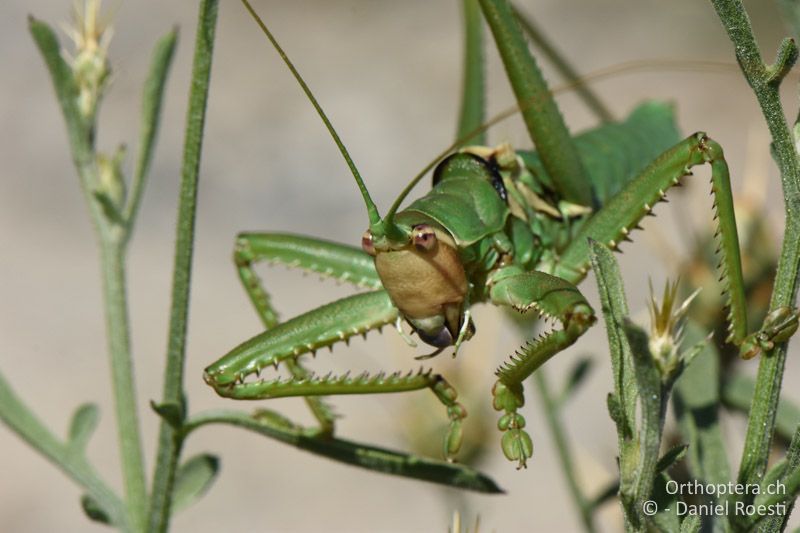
652, 401
152, 99
666, 519
65, 87
791, 484
94, 510
673, 455
793, 459
193, 479
615, 311
785, 60
353, 453
171, 413
647, 375
775, 473
83, 423
689, 355
786, 475
109, 208
617, 416
636, 379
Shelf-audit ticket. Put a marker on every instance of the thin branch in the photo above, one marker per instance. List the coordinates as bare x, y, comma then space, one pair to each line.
170, 440
765, 81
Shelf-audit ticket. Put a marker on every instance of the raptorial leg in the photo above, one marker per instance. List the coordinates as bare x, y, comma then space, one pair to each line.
324, 326
553, 298
322, 411
363, 384
341, 262
329, 259
613, 222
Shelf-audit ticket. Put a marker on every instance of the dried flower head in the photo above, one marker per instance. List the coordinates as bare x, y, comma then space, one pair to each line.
666, 327
91, 35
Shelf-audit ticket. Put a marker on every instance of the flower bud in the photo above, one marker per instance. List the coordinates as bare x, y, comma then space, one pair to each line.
90, 65
111, 179
666, 329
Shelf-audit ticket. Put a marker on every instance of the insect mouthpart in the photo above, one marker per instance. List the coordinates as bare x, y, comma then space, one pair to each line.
433, 331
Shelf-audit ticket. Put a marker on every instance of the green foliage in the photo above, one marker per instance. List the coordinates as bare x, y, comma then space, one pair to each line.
84, 421
94, 511
193, 479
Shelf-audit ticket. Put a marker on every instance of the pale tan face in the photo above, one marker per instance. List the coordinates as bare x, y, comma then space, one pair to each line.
426, 281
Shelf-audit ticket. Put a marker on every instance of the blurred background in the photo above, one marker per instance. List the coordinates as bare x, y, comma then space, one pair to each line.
388, 75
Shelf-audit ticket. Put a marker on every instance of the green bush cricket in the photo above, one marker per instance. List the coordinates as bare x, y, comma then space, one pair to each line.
500, 226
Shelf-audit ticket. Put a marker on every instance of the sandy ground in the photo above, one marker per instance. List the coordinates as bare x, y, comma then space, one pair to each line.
388, 75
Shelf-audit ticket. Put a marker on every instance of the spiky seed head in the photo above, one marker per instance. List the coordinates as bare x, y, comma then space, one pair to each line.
91, 35
666, 327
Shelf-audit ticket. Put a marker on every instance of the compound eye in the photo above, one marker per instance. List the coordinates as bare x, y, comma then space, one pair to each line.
424, 238
367, 243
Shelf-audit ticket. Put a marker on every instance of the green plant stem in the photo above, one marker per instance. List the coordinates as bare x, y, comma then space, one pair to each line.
551, 410
170, 437
16, 415
653, 395
765, 81
113, 228
650, 433
117, 325
636, 376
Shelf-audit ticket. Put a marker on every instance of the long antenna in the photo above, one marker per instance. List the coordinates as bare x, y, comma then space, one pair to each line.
628, 67
372, 210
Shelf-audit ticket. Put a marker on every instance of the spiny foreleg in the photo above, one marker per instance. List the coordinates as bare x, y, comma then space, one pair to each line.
551, 297
611, 224
363, 384
344, 263
323, 327
328, 259
305, 333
